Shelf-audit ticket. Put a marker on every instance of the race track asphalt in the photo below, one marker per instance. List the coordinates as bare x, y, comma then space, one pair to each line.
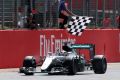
113, 73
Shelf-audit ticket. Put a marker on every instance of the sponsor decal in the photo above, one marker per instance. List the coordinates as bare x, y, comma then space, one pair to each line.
52, 44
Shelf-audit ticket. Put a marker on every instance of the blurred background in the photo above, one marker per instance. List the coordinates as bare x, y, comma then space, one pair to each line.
43, 14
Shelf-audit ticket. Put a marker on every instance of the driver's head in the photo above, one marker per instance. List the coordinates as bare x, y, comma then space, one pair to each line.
66, 47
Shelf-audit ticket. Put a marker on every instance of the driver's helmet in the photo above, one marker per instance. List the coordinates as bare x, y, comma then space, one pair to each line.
67, 47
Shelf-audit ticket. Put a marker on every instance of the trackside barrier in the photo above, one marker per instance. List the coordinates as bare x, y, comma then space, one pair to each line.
16, 44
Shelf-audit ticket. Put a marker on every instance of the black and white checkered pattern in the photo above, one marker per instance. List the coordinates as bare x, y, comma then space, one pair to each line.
77, 24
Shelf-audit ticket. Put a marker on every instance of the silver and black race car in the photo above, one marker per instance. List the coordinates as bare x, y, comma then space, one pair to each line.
68, 61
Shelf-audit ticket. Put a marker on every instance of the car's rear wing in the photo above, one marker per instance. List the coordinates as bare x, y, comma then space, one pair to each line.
90, 47
82, 46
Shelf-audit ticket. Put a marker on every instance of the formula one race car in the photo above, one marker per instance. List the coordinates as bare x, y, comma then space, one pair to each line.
67, 61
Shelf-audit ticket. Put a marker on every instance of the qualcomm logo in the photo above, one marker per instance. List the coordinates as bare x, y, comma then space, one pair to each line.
52, 43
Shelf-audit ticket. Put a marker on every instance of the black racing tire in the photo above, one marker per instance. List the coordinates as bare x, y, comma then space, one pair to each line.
29, 63
72, 68
99, 64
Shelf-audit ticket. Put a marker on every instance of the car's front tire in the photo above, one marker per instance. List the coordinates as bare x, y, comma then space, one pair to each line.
72, 68
29, 65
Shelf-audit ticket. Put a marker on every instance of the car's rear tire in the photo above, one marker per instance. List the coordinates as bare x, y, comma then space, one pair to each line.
30, 65
99, 64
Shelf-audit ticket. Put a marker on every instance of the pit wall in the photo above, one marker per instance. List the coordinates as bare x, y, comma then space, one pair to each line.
16, 44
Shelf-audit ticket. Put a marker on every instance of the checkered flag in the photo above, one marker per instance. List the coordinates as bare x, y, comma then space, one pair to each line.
77, 24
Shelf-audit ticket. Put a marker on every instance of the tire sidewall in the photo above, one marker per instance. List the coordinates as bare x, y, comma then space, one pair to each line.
99, 65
